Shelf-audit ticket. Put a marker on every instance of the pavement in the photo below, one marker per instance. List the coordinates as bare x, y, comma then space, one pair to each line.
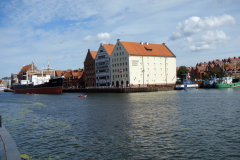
8, 147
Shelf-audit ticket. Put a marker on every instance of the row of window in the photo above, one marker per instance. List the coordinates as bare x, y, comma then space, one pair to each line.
117, 70
119, 64
116, 54
120, 59
120, 76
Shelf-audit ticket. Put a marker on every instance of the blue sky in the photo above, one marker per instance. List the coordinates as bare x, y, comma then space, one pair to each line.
63, 30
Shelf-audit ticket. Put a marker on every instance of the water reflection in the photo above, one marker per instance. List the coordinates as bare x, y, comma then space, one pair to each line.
160, 125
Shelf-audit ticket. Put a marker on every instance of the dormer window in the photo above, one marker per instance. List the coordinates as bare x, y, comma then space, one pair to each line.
148, 49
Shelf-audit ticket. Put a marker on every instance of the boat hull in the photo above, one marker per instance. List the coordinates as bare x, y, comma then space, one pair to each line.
46, 90
54, 86
226, 85
186, 86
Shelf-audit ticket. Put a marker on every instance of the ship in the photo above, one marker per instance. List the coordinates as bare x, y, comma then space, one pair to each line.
40, 83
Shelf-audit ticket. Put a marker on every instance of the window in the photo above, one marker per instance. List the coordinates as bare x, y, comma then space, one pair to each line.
117, 54
120, 48
113, 70
101, 50
126, 63
117, 48
122, 53
120, 64
120, 58
126, 75
123, 64
125, 58
117, 59
113, 65
114, 54
126, 69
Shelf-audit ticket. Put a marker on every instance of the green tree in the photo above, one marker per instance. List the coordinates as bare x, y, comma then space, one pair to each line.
182, 70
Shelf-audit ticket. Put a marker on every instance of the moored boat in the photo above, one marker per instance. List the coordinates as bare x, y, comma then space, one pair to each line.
228, 84
53, 86
2, 87
187, 84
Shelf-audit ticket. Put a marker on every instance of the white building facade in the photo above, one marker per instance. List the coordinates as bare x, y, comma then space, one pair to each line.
102, 65
142, 64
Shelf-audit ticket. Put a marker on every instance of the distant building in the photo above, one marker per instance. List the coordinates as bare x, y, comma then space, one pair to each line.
72, 78
102, 64
142, 64
89, 68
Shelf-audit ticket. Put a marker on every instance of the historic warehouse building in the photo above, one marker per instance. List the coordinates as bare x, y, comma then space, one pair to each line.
142, 64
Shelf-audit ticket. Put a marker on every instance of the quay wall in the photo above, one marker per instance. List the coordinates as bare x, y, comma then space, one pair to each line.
121, 90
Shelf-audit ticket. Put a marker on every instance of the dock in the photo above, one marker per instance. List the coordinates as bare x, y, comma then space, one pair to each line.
122, 90
8, 147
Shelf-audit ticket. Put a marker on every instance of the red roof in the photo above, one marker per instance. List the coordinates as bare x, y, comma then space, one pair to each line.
135, 48
93, 53
59, 73
25, 69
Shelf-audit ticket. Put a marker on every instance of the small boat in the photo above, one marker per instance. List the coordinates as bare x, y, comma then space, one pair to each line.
85, 96
187, 84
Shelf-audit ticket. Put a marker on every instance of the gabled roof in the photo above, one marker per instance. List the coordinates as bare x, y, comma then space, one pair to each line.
59, 73
109, 48
25, 69
93, 53
135, 48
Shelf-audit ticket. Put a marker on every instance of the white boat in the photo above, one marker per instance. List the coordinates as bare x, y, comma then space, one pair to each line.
187, 84
2, 87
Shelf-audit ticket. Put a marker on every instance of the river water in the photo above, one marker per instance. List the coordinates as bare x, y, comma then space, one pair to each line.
193, 124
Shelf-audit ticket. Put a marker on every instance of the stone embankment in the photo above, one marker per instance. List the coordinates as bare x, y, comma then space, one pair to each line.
122, 90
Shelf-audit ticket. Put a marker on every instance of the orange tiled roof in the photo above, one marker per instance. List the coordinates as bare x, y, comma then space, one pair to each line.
135, 48
25, 69
59, 73
109, 48
93, 53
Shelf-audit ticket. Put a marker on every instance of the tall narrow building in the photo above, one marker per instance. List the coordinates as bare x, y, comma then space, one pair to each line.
89, 69
102, 65
142, 64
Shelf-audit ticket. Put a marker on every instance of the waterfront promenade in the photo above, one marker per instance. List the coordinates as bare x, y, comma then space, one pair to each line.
8, 147
122, 90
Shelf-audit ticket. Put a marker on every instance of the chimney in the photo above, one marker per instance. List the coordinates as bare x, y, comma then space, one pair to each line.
164, 44
146, 43
141, 43
88, 50
101, 44
118, 40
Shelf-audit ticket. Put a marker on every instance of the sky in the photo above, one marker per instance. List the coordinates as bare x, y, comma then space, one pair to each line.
63, 30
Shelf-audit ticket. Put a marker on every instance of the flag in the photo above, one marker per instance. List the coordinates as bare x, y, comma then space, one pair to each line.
120, 71
188, 76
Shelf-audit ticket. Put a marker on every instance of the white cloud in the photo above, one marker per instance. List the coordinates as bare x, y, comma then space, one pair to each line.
88, 38
103, 36
208, 41
194, 25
